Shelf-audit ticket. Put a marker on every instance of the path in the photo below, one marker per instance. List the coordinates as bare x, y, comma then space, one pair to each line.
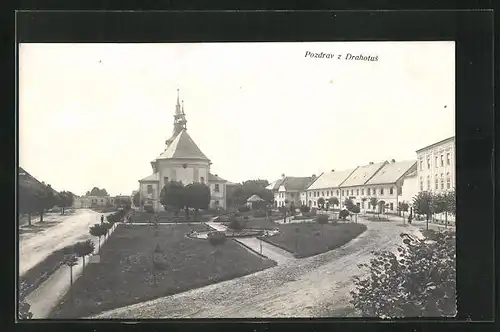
35, 247
317, 286
274, 253
43, 299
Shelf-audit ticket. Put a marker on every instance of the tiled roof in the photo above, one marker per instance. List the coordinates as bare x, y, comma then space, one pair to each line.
254, 198
151, 178
331, 179
29, 182
392, 172
295, 183
183, 147
437, 143
274, 185
362, 174
215, 178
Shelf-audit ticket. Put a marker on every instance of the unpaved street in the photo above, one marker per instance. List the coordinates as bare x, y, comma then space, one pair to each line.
66, 230
312, 287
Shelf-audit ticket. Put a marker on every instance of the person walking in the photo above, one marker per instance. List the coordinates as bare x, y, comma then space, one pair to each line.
102, 218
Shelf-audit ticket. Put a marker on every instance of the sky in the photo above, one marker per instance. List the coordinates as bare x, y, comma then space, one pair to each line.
97, 114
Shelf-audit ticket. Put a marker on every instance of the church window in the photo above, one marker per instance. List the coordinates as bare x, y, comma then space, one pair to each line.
173, 174
216, 189
202, 179
195, 174
150, 189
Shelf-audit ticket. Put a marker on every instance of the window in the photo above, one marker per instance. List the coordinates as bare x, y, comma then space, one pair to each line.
447, 159
309, 194
314, 203
337, 192
448, 181
165, 180
421, 165
216, 189
436, 182
195, 174
421, 184
381, 191
202, 180
173, 174
368, 191
317, 194
442, 161
314, 194
342, 193
391, 206
428, 182
428, 163
435, 161
352, 192
374, 192
150, 189
217, 202
357, 192
323, 193
442, 181
391, 191
362, 191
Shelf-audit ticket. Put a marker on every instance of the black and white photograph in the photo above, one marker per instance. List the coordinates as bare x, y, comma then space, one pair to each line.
236, 180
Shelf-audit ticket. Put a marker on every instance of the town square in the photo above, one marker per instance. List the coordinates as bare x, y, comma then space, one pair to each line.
236, 181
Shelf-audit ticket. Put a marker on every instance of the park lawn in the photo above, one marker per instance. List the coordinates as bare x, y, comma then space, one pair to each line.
253, 223
312, 238
166, 217
124, 275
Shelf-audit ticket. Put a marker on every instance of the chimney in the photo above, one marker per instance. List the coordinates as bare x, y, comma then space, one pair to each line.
371, 162
216, 174
393, 161
283, 175
333, 170
313, 176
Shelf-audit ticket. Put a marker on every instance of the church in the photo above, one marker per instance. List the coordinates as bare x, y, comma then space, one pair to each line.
181, 160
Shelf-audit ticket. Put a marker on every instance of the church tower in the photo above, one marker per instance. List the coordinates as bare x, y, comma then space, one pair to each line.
179, 120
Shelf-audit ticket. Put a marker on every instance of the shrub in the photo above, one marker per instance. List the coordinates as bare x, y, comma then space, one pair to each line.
245, 217
343, 214
354, 209
244, 208
314, 210
420, 282
259, 214
234, 224
304, 208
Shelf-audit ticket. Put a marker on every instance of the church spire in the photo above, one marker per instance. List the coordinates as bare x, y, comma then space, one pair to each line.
179, 120
178, 105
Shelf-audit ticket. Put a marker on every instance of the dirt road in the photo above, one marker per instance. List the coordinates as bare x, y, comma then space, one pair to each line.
317, 286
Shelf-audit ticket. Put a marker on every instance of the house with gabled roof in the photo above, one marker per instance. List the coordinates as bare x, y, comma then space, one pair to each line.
287, 190
182, 160
326, 186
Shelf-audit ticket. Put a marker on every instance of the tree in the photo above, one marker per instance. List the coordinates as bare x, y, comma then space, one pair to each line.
107, 227
343, 214
334, 201
237, 195
197, 197
136, 199
420, 281
216, 239
158, 261
355, 210
374, 203
70, 261
83, 249
403, 207
173, 196
45, 200
304, 208
27, 202
97, 192
64, 200
444, 203
98, 230
423, 204
321, 203
234, 224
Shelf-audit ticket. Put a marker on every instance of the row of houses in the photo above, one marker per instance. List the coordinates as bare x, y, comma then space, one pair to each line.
99, 201
390, 181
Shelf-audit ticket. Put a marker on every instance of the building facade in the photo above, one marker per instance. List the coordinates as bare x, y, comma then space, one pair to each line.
182, 160
326, 186
436, 166
288, 190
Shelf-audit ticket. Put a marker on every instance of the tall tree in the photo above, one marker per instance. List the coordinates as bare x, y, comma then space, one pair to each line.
98, 192
45, 200
423, 204
173, 196
321, 203
137, 199
64, 200
83, 249
197, 197
334, 201
27, 202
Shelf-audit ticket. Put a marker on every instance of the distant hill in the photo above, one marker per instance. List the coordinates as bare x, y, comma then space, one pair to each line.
28, 182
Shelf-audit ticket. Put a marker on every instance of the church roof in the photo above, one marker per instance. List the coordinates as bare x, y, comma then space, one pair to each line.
215, 178
151, 178
183, 147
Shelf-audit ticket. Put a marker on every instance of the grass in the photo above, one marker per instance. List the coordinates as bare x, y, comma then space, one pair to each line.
43, 270
260, 223
313, 239
125, 274
166, 217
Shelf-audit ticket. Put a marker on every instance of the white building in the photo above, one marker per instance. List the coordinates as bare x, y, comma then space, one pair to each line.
326, 186
436, 166
288, 189
410, 187
182, 160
